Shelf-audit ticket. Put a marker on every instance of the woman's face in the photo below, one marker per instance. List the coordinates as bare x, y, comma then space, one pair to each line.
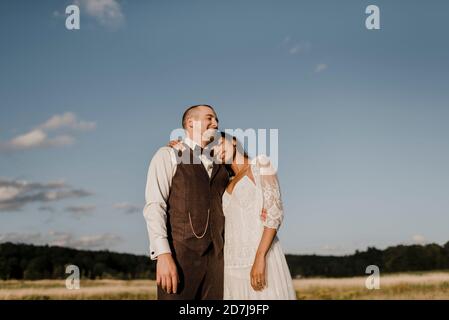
225, 150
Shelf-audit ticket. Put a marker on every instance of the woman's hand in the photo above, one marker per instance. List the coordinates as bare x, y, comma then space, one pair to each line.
258, 280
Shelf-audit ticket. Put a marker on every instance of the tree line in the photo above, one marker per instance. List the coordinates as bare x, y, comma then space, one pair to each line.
30, 262
401, 258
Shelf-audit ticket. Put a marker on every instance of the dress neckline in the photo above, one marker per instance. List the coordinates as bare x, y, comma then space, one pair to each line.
245, 176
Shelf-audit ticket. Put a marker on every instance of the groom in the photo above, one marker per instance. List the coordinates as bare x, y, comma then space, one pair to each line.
184, 213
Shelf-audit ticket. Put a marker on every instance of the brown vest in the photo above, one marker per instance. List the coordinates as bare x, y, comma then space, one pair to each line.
193, 196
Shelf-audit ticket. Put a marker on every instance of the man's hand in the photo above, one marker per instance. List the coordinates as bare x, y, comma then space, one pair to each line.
167, 273
263, 215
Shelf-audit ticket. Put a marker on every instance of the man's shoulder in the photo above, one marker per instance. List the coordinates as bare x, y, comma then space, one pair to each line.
164, 149
163, 153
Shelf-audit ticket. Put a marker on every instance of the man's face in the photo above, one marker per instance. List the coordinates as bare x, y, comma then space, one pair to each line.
204, 123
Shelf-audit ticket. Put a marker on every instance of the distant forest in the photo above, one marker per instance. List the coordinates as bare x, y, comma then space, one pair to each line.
22, 261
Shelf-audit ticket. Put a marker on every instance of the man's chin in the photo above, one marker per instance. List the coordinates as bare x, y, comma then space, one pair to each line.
209, 135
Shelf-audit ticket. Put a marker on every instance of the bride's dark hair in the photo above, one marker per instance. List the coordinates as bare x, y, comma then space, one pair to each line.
238, 147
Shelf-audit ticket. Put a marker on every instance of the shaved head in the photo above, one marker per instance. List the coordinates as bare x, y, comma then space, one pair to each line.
192, 112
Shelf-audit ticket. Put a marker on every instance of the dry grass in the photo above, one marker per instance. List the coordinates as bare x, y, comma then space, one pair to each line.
434, 285
90, 289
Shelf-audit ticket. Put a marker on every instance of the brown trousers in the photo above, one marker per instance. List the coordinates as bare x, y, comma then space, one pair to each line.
201, 276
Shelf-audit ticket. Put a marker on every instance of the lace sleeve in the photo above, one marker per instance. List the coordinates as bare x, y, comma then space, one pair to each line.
272, 201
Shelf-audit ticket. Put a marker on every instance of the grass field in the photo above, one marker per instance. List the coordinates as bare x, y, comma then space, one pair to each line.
430, 285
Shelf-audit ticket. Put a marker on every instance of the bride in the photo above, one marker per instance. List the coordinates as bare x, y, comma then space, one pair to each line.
254, 263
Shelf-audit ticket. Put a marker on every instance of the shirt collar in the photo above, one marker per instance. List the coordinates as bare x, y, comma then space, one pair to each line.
190, 143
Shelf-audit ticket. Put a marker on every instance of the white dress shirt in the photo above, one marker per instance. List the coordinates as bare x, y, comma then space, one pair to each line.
160, 174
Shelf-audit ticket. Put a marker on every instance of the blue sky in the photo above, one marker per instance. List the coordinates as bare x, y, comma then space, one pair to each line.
362, 115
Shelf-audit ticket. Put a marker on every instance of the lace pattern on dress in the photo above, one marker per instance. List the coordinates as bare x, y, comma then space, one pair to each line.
267, 179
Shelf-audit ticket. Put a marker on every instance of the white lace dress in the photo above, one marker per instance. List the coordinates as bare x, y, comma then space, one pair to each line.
244, 226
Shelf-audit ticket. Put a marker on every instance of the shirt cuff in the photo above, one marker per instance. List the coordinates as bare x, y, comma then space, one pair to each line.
158, 247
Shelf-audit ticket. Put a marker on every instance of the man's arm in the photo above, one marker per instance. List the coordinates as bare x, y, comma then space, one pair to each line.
160, 174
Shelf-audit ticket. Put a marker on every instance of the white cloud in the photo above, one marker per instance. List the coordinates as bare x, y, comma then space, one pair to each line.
63, 239
299, 48
320, 67
39, 136
67, 120
127, 207
419, 239
95, 241
14, 237
333, 249
59, 141
15, 194
29, 140
47, 209
81, 210
107, 12
295, 47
